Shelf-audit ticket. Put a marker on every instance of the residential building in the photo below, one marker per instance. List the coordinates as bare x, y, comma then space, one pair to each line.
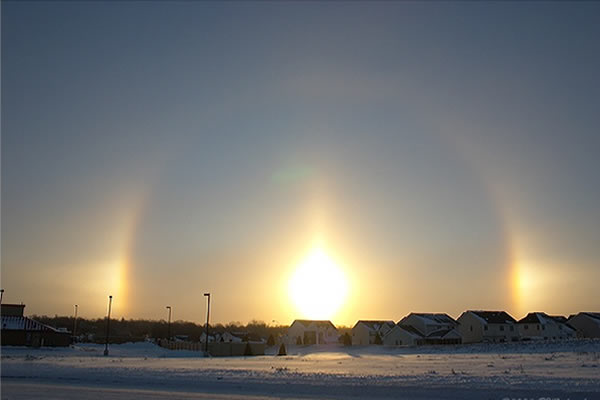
487, 326
18, 330
428, 323
436, 328
587, 324
444, 336
211, 338
370, 332
403, 336
309, 332
540, 326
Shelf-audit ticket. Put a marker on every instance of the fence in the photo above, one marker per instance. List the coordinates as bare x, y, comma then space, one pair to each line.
217, 349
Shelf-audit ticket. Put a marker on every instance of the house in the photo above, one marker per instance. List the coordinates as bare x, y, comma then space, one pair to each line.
429, 323
587, 324
540, 326
435, 328
18, 330
436, 325
211, 338
370, 332
403, 336
444, 336
239, 337
181, 338
230, 337
487, 326
308, 332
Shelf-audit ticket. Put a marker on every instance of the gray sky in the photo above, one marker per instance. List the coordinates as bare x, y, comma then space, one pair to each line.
445, 153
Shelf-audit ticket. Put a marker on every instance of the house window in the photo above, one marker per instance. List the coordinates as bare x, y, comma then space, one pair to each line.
543, 327
526, 327
471, 328
485, 328
538, 327
560, 327
502, 327
512, 328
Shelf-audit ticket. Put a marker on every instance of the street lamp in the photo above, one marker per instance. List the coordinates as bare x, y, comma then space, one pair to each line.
169, 323
207, 319
75, 322
107, 325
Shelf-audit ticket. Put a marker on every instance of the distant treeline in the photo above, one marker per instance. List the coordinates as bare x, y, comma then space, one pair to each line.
124, 330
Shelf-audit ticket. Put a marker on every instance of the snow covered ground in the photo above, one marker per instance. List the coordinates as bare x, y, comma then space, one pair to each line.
569, 370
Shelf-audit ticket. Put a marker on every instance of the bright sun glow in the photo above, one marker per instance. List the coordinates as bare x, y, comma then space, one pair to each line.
318, 287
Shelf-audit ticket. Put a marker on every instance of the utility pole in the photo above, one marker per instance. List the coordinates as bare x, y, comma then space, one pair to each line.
108, 325
75, 322
169, 324
207, 319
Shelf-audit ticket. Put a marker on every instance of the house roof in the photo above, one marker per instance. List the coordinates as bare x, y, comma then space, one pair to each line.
245, 336
439, 334
438, 318
534, 318
558, 318
376, 325
410, 330
12, 309
494, 317
318, 323
15, 323
9, 305
542, 318
442, 333
595, 315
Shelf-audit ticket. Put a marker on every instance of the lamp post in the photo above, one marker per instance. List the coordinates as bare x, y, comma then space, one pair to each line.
169, 324
207, 319
108, 325
75, 322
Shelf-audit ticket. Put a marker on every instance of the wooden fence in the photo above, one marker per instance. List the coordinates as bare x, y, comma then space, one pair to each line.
217, 349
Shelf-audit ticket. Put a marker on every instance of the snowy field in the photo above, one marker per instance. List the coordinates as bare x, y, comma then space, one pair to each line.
568, 370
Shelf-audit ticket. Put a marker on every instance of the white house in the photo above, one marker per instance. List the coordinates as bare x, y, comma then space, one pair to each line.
540, 326
487, 326
429, 323
435, 328
308, 332
444, 336
587, 324
370, 332
211, 338
403, 336
230, 337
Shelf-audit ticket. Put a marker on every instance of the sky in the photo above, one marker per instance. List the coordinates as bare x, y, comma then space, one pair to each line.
436, 157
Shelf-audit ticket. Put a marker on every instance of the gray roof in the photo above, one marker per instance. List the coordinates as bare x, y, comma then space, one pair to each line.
533, 318
319, 323
376, 325
595, 315
495, 317
440, 334
440, 318
558, 318
410, 329
16, 323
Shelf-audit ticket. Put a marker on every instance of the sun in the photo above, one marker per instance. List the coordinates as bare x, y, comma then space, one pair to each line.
318, 287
